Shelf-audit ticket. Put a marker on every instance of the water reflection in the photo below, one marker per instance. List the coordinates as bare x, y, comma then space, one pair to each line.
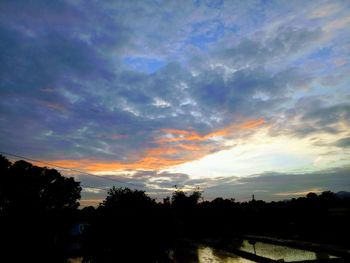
207, 254
204, 254
189, 253
277, 252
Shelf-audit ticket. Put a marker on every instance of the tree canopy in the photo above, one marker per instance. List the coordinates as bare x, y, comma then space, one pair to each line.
24, 186
127, 198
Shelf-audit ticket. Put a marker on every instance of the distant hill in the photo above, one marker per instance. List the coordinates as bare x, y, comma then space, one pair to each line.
343, 194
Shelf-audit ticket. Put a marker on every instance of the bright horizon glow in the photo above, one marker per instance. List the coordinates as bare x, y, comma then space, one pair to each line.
263, 153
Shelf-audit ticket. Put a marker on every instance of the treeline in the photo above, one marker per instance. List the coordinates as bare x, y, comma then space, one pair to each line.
131, 219
39, 209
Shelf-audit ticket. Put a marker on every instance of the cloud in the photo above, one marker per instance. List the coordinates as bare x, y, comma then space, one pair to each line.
272, 186
156, 184
149, 85
183, 135
166, 153
264, 48
268, 186
326, 10
343, 143
312, 116
338, 24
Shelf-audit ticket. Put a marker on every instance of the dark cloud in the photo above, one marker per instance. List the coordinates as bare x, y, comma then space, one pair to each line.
312, 115
268, 186
328, 116
243, 79
343, 143
156, 184
263, 49
278, 186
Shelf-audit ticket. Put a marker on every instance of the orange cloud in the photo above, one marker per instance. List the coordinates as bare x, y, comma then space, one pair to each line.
190, 147
90, 165
181, 147
183, 135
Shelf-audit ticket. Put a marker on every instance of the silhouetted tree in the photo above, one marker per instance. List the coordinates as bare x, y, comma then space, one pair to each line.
24, 186
182, 200
130, 227
311, 196
36, 209
125, 198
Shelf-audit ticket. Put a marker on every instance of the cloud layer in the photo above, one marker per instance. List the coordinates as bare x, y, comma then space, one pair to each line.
268, 186
116, 85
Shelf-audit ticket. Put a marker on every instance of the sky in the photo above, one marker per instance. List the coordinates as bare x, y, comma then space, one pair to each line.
230, 97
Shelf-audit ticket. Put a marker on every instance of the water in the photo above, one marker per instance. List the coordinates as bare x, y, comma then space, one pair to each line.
276, 252
202, 254
194, 254
206, 254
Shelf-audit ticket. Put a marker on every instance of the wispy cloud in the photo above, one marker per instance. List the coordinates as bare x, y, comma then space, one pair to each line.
326, 10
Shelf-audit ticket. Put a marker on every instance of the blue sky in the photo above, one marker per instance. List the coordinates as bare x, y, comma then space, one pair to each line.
216, 94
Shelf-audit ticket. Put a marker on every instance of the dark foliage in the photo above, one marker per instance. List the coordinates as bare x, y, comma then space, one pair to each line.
129, 226
37, 205
24, 186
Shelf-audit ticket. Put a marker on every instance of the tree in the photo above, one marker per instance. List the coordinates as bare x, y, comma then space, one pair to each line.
121, 198
311, 196
183, 201
26, 187
127, 221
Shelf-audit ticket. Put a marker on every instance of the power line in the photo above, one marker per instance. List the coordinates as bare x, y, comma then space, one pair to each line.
72, 169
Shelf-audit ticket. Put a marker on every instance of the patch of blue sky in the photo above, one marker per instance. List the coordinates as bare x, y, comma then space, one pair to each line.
215, 3
206, 33
258, 19
317, 90
232, 28
144, 64
209, 3
321, 53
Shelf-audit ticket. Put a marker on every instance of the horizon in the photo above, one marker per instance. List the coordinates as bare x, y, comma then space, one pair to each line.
95, 203
236, 98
